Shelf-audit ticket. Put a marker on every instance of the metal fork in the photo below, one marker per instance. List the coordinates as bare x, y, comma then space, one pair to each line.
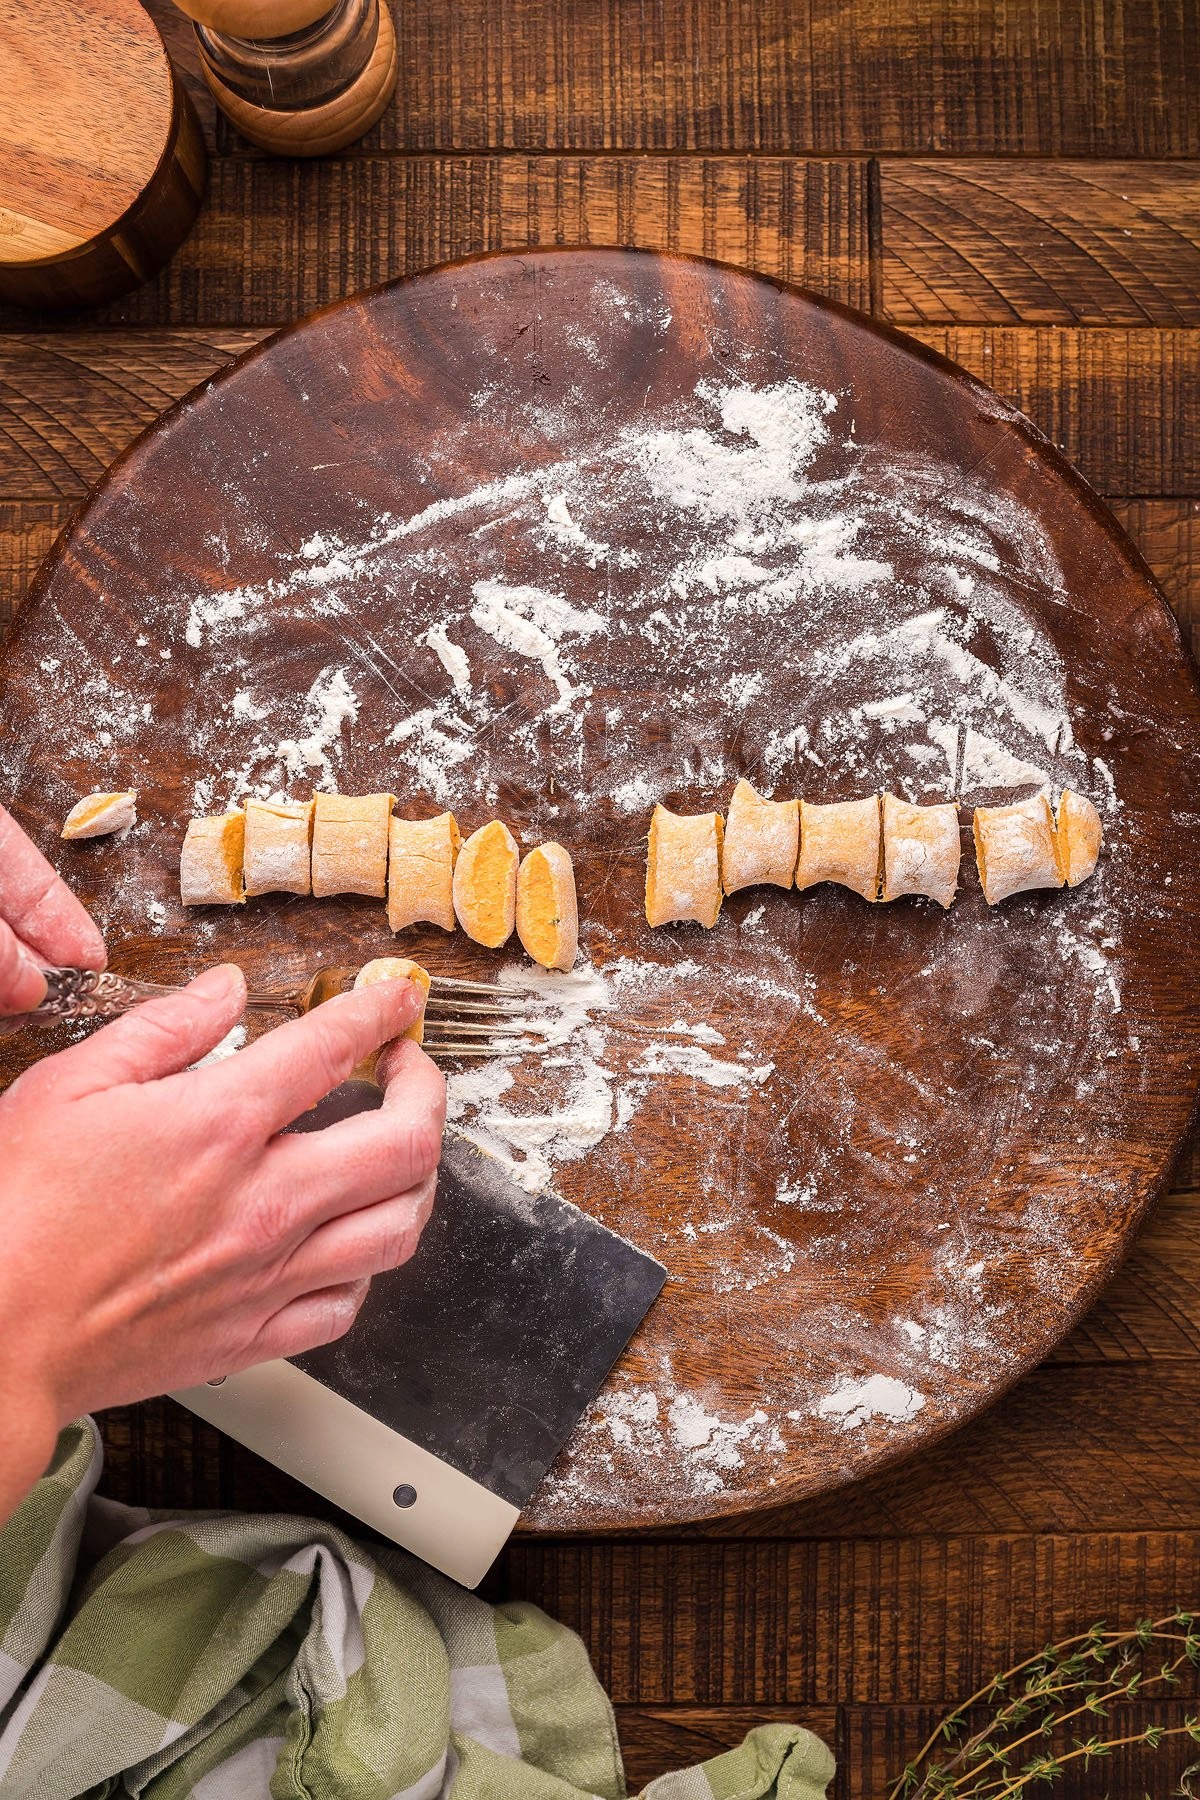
463, 1018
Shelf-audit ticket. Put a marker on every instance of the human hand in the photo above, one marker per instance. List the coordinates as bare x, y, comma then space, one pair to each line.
159, 1231
41, 922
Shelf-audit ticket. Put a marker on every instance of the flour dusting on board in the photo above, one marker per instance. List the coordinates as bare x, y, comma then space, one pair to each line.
737, 583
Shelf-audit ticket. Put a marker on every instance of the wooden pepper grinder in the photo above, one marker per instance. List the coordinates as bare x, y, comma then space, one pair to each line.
298, 77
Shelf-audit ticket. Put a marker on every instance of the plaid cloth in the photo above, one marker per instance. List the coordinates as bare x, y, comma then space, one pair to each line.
217, 1656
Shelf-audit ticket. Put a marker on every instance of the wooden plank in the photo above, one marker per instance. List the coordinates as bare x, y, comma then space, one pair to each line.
1123, 405
1027, 242
277, 238
873, 1743
655, 1739
1167, 532
810, 1623
1152, 1310
70, 401
964, 77
27, 530
1102, 1445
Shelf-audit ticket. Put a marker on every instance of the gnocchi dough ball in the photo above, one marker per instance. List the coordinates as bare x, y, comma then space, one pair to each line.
547, 910
485, 885
921, 850
762, 840
210, 863
350, 844
1079, 835
398, 968
1016, 848
421, 859
100, 814
841, 842
278, 856
683, 867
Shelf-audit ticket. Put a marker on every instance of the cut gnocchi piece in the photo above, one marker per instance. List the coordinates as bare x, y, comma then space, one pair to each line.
683, 868
485, 885
762, 840
350, 844
841, 842
547, 909
101, 814
422, 855
922, 849
398, 968
1079, 835
1016, 848
278, 855
210, 863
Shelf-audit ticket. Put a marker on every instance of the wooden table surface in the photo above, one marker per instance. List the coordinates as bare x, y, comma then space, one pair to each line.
1018, 183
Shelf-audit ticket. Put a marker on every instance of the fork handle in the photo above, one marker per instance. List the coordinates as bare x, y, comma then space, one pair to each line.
91, 994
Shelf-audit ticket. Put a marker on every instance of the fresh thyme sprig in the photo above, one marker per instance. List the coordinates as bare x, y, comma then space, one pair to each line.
1039, 1699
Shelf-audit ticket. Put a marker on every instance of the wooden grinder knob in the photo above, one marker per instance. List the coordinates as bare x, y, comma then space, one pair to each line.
101, 157
318, 36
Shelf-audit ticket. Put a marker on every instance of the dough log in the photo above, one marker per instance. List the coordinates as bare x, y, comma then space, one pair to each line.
841, 842
278, 858
921, 850
100, 814
485, 885
683, 868
398, 968
762, 840
210, 863
1079, 835
422, 855
547, 910
1016, 848
350, 844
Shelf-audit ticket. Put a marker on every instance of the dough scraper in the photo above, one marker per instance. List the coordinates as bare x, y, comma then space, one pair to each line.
434, 1419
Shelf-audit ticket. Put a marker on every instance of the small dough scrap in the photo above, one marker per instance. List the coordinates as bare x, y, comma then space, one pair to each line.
1079, 835
398, 968
922, 850
762, 840
278, 857
547, 910
841, 842
100, 814
683, 867
350, 844
485, 884
210, 863
1016, 848
422, 855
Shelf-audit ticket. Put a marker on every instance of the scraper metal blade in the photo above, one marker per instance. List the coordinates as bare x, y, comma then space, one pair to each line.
437, 1415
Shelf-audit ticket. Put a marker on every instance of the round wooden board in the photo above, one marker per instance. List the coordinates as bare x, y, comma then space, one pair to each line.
557, 534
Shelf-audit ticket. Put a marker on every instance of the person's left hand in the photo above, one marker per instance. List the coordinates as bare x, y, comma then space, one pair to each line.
41, 924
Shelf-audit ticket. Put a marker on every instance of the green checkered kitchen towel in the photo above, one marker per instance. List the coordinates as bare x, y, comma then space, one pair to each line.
219, 1656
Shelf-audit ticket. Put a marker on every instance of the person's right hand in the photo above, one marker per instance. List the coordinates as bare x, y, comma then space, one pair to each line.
41, 922
157, 1229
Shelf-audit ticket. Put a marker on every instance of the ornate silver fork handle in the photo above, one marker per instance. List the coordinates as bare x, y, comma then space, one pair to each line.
92, 994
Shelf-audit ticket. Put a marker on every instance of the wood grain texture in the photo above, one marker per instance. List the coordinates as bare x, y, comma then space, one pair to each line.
1031, 243
277, 239
1167, 532
101, 168
69, 403
1123, 405
894, 1620
27, 530
1109, 78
